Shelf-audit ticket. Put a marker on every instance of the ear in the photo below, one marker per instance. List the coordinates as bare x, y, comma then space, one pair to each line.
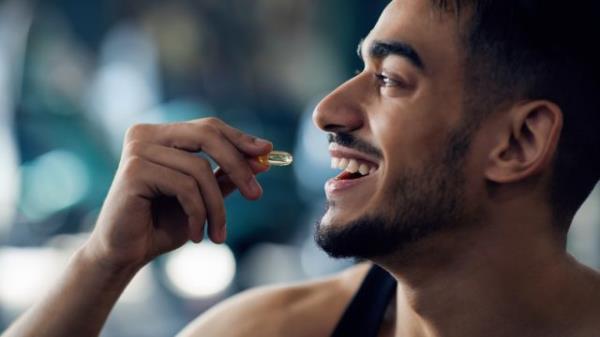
527, 143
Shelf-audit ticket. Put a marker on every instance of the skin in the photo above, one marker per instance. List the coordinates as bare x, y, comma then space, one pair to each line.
506, 273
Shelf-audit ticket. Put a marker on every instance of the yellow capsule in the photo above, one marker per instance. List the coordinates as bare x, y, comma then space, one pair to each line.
276, 158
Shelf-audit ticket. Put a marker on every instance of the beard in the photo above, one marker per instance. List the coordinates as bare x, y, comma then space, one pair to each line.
421, 203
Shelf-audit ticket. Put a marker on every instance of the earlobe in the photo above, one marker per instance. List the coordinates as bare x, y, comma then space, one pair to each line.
527, 142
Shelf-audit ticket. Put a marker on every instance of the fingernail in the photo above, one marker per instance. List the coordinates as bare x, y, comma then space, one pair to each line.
261, 142
253, 186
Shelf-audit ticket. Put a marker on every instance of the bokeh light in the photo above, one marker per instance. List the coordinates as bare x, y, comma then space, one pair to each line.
203, 270
9, 180
28, 273
52, 182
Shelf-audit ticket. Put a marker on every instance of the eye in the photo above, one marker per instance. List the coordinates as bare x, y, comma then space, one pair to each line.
387, 82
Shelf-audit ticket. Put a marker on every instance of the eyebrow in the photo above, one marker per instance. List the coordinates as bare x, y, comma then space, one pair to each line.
382, 49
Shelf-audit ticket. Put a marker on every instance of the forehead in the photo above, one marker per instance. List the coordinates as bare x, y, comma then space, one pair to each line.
431, 32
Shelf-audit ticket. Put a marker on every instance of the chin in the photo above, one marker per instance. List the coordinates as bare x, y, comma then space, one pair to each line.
334, 221
435, 203
339, 215
345, 236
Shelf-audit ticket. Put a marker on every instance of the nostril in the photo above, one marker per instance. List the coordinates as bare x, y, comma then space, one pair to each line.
341, 110
335, 128
328, 121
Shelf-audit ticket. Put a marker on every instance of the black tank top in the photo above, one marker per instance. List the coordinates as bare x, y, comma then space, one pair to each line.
363, 316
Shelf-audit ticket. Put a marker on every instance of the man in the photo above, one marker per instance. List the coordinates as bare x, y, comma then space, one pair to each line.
468, 142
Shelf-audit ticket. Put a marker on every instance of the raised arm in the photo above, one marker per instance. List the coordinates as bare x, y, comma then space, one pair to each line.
161, 197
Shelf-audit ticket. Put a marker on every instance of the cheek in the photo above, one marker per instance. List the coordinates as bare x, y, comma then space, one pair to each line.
412, 133
408, 139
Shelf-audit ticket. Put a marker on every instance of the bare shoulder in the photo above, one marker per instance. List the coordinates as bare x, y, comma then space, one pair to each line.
583, 304
303, 309
592, 293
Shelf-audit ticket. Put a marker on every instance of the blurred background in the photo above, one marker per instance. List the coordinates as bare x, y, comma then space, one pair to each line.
74, 75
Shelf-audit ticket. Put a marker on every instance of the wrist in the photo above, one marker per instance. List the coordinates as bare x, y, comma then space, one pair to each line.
89, 259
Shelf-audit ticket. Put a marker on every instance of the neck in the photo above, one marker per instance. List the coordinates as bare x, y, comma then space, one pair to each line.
483, 280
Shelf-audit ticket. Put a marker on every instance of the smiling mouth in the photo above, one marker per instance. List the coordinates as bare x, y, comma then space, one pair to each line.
352, 168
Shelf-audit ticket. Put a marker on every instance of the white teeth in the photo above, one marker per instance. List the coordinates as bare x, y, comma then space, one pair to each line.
335, 162
343, 163
352, 166
363, 169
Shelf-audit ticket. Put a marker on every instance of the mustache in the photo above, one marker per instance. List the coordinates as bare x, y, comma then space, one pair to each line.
350, 141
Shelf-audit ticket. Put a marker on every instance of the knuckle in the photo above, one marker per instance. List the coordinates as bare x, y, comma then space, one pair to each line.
209, 130
241, 136
133, 166
134, 147
212, 121
136, 131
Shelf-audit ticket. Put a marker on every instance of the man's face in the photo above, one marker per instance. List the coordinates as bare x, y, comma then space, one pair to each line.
401, 119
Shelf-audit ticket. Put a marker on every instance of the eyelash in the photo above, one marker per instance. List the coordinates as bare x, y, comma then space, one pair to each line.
387, 82
383, 80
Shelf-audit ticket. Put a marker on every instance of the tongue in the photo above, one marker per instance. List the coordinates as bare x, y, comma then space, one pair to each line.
347, 176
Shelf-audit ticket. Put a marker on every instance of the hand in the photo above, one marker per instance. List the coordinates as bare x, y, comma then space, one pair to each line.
163, 193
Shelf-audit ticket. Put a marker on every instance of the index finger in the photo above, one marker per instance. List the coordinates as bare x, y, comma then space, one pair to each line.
189, 136
226, 145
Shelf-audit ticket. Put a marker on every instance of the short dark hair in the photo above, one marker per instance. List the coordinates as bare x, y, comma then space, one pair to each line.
540, 49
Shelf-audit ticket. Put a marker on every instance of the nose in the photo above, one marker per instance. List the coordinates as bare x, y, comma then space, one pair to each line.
341, 110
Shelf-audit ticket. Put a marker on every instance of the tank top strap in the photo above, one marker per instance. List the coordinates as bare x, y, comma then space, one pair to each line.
364, 314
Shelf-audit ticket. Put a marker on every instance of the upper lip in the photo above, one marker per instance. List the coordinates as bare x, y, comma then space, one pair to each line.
340, 151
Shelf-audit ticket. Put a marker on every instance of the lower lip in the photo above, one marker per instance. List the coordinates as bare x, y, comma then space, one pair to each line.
336, 186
